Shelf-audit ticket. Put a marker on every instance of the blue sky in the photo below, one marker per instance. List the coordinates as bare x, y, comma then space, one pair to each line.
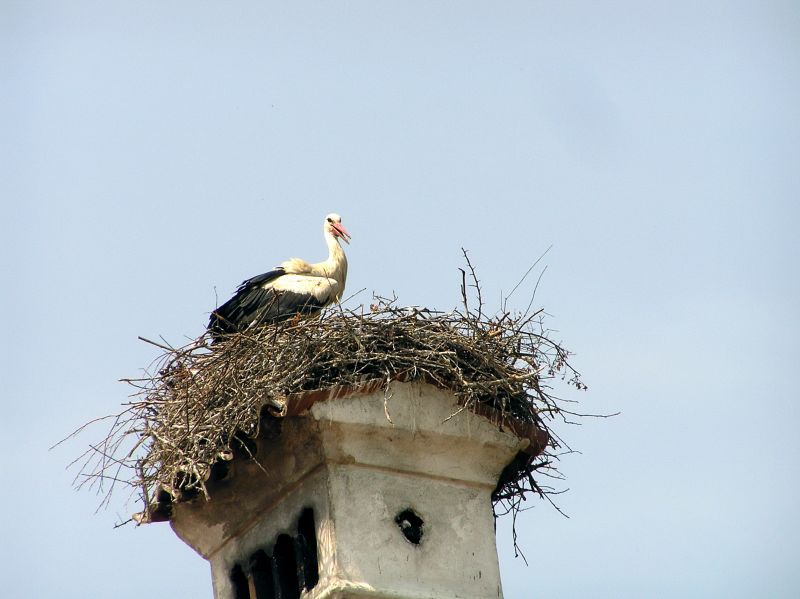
154, 154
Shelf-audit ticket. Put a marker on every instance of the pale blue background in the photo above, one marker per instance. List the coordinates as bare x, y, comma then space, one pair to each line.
153, 152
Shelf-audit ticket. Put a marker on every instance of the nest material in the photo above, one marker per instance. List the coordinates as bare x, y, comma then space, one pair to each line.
206, 400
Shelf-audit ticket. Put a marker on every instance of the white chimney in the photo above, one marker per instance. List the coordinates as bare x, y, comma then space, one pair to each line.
361, 493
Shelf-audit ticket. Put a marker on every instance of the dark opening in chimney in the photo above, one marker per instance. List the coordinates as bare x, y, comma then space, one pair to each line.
241, 589
410, 525
308, 566
261, 571
288, 584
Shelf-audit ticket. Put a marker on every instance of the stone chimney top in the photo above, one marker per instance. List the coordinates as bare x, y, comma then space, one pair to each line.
362, 493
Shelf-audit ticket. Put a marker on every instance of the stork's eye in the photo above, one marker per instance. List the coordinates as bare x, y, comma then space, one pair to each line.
330, 220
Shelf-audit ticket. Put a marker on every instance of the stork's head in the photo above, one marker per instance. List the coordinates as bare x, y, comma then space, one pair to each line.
333, 226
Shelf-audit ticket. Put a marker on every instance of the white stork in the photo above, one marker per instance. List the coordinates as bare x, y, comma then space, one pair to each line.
294, 287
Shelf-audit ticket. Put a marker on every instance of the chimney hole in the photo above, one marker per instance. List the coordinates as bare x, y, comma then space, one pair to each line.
241, 589
287, 585
261, 572
306, 549
411, 525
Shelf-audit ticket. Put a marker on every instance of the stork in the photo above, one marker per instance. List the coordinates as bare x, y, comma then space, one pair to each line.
294, 287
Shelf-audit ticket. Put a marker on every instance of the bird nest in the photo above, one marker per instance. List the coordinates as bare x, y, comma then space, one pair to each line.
203, 404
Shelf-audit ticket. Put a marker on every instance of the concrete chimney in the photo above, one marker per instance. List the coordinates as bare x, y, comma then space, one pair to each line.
361, 493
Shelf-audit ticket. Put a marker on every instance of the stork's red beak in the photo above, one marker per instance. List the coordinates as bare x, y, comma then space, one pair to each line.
340, 231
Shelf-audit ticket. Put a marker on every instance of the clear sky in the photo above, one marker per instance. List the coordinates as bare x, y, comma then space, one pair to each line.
154, 154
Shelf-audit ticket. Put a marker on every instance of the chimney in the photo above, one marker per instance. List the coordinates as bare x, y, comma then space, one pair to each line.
367, 491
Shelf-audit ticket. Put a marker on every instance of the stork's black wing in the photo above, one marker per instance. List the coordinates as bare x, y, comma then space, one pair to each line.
245, 306
262, 278
253, 304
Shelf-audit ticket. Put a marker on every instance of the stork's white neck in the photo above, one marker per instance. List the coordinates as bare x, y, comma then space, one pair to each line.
336, 264
335, 250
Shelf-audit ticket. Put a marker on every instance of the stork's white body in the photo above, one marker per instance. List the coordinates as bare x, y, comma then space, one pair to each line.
323, 279
295, 287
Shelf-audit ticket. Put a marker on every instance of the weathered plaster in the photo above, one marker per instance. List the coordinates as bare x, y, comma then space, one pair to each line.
357, 470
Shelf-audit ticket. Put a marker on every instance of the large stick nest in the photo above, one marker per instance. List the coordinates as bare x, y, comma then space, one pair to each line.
200, 404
